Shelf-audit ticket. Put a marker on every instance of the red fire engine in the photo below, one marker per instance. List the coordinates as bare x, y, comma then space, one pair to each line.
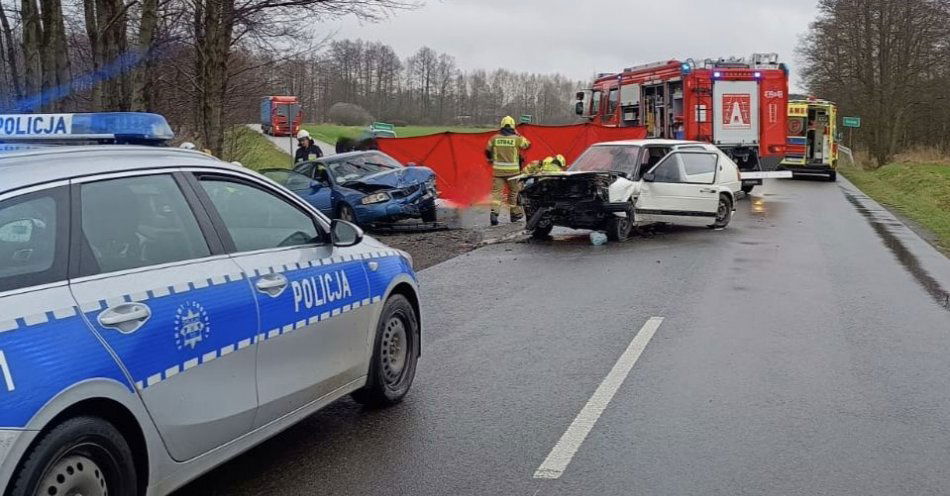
737, 104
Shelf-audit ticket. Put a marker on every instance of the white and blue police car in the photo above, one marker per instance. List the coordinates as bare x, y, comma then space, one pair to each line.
162, 311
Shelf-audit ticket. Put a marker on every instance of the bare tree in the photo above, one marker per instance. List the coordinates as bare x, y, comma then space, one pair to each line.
11, 55
32, 39
880, 59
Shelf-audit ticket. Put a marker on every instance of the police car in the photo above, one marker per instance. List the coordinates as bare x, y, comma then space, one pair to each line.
162, 311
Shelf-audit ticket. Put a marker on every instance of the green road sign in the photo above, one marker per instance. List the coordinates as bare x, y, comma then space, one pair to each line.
851, 121
525, 119
382, 126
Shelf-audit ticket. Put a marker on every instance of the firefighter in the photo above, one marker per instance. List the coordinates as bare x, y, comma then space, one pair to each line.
307, 150
550, 165
504, 151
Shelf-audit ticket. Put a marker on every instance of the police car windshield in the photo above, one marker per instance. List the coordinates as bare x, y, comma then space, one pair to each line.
608, 158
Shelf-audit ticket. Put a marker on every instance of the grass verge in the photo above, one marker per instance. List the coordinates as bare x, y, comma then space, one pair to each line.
329, 133
920, 191
252, 149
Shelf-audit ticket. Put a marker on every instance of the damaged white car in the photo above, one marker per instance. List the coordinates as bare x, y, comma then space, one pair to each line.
616, 186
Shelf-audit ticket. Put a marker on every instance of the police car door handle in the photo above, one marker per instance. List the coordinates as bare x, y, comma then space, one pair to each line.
707, 190
125, 318
272, 284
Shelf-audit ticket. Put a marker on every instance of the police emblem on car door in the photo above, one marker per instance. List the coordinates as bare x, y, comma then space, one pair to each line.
314, 299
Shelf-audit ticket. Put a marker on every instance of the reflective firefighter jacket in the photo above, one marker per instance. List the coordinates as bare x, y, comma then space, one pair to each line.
506, 153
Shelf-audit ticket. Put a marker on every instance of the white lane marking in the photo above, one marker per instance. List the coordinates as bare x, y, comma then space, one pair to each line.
563, 452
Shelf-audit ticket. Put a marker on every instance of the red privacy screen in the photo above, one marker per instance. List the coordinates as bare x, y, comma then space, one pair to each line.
458, 159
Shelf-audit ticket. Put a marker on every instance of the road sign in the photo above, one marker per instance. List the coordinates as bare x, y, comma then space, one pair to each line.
525, 119
851, 121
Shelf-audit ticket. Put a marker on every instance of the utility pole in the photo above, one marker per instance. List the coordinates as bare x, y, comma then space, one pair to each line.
290, 133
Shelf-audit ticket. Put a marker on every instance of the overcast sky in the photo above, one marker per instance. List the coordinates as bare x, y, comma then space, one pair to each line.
580, 37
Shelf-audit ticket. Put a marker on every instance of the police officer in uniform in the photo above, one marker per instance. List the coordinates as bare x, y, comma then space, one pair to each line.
504, 151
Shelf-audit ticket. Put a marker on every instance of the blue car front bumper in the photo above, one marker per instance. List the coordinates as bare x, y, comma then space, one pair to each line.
408, 207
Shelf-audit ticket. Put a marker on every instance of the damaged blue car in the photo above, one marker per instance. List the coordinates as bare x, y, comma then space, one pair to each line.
364, 187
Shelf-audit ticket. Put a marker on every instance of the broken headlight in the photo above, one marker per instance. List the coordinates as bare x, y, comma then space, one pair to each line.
375, 198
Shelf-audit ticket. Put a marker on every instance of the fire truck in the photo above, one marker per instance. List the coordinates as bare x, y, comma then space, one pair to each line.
738, 104
812, 137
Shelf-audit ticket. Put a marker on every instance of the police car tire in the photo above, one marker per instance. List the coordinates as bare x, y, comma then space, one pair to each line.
91, 437
377, 393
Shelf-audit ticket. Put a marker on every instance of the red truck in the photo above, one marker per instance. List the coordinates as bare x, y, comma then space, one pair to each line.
280, 115
739, 105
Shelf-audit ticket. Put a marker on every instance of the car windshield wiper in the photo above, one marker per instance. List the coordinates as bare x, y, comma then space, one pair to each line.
384, 166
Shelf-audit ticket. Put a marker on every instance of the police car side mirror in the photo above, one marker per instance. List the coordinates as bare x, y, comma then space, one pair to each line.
315, 185
344, 233
649, 177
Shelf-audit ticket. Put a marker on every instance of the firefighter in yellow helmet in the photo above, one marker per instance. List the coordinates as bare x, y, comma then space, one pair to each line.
504, 151
550, 165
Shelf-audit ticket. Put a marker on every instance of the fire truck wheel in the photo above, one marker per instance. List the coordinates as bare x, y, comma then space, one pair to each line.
747, 188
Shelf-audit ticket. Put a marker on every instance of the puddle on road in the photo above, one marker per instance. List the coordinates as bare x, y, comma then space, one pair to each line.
903, 255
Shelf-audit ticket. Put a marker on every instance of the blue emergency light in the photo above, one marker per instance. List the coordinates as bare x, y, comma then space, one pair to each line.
103, 127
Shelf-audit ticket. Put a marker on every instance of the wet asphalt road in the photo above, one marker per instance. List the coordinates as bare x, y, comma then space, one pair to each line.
804, 350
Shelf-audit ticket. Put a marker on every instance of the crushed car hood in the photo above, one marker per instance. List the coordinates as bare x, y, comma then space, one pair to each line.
560, 186
608, 186
393, 179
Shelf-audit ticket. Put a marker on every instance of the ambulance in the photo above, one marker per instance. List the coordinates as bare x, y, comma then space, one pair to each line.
812, 138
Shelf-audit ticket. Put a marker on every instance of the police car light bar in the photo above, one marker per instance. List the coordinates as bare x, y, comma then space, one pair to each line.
114, 127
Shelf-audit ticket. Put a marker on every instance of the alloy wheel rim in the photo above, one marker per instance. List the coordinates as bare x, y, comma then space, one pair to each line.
74, 475
395, 350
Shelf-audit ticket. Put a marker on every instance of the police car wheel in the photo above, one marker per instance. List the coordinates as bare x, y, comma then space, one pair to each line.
395, 353
83, 455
